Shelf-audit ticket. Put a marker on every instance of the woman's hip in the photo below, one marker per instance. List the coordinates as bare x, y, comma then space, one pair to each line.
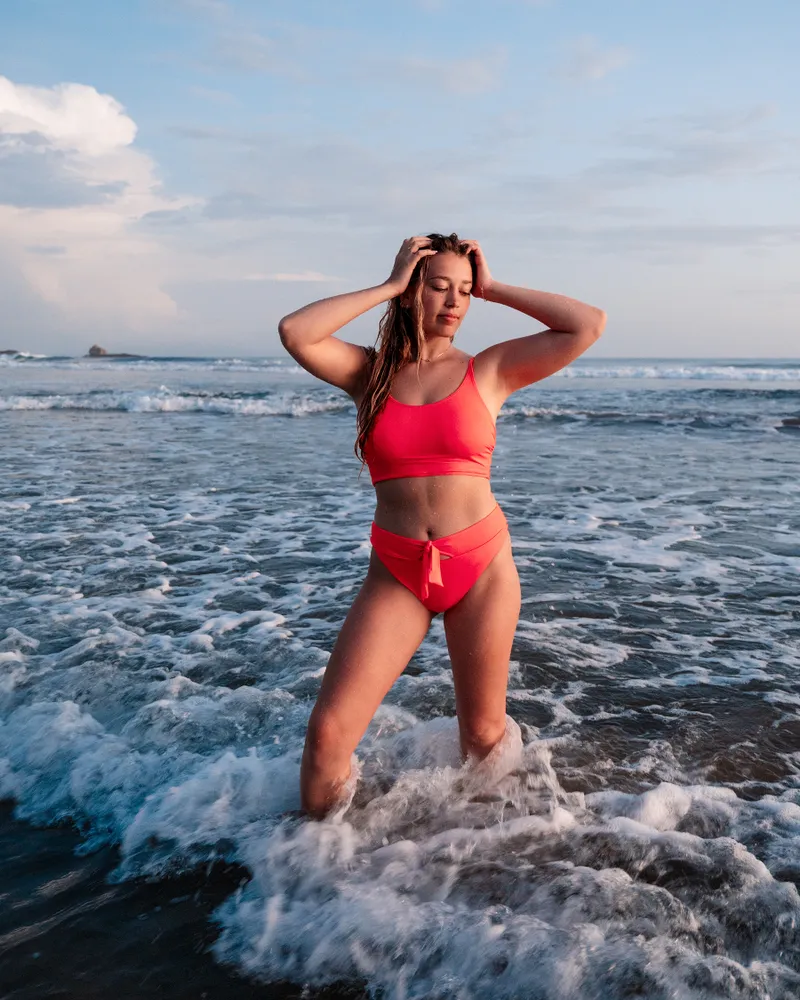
441, 571
458, 543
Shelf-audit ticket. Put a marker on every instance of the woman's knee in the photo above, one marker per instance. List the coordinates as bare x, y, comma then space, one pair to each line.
327, 763
328, 737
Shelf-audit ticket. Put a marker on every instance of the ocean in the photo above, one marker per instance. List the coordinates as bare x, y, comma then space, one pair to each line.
180, 540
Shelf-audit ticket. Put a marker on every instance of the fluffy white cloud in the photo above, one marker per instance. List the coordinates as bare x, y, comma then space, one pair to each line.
69, 116
72, 181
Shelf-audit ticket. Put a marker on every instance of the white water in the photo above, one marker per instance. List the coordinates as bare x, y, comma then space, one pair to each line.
170, 589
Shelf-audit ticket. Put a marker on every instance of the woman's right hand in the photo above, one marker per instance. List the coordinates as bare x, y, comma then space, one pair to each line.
410, 254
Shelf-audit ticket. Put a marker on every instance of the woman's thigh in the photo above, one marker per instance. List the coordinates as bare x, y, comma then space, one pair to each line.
480, 631
383, 629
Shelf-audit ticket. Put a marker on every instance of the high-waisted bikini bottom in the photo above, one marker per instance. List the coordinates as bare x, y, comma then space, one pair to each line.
441, 583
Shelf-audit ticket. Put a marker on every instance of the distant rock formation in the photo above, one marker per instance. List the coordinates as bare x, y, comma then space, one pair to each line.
95, 351
9, 351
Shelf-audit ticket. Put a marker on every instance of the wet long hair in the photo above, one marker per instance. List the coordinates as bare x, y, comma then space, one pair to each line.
400, 339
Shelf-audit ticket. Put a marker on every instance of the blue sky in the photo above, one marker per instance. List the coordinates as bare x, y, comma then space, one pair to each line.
175, 175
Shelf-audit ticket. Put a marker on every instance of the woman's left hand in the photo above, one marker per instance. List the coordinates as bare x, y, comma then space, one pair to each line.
484, 276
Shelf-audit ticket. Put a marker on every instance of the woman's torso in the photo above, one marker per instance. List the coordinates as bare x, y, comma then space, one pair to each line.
433, 506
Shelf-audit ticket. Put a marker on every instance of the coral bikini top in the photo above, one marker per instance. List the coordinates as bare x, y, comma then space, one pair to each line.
454, 436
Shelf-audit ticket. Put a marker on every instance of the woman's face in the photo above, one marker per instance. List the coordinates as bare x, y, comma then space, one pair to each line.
445, 294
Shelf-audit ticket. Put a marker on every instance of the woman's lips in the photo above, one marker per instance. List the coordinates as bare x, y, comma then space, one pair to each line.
449, 318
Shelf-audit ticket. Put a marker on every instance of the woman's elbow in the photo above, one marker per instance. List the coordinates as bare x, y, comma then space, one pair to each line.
600, 324
285, 330
594, 330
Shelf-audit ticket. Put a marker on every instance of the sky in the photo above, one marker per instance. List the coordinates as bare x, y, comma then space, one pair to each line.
176, 175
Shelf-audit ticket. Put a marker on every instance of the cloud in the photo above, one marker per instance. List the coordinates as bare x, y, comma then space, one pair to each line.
231, 40
69, 116
291, 50
586, 59
472, 75
71, 179
35, 175
331, 181
212, 96
24, 310
668, 243
312, 276
783, 288
46, 249
659, 130
663, 151
299, 196
436, 5
110, 248
50, 138
682, 160
698, 145
204, 8
195, 132
253, 205
246, 52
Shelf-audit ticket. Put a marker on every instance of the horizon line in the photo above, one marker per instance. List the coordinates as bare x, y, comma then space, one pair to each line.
113, 356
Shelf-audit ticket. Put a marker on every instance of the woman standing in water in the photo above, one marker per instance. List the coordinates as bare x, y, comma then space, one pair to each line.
440, 541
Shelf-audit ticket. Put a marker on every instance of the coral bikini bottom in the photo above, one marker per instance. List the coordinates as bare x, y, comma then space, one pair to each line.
441, 583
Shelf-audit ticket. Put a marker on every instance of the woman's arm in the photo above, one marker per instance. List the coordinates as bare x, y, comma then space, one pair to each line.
307, 333
524, 360
575, 326
318, 320
556, 311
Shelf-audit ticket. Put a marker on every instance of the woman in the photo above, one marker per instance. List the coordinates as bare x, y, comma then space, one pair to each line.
440, 541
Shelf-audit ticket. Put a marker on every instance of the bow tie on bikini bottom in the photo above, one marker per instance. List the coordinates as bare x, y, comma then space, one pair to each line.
431, 568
